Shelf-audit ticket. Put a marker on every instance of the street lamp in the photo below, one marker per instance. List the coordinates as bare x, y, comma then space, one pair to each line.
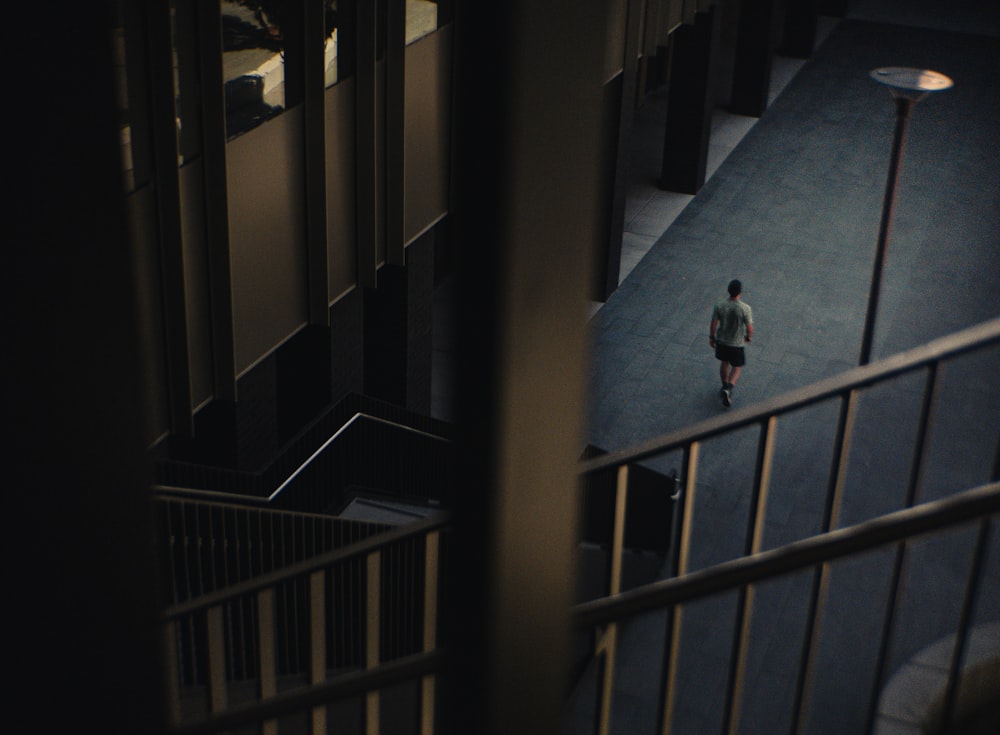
907, 87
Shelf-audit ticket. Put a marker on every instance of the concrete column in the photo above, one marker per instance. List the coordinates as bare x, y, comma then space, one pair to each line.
528, 181
82, 606
752, 61
798, 39
689, 107
619, 101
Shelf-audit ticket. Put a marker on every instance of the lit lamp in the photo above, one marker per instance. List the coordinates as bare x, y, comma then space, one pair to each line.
907, 87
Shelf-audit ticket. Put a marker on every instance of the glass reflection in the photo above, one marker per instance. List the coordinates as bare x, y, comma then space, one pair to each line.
332, 21
254, 54
186, 83
121, 91
421, 19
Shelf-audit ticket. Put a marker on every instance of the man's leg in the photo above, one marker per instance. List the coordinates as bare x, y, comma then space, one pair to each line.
725, 374
734, 374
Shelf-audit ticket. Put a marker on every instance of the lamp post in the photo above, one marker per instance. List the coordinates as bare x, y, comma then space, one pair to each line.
907, 87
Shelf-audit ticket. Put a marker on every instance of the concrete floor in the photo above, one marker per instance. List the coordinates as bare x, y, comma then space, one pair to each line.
792, 208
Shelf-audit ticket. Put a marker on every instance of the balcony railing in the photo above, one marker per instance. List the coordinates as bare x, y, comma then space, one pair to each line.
227, 652
360, 693
754, 563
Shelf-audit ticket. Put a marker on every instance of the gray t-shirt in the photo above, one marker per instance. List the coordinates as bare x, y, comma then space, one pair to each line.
733, 316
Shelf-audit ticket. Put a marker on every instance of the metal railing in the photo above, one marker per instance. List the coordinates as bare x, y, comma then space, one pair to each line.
234, 638
756, 564
977, 505
351, 453
208, 546
204, 634
266, 603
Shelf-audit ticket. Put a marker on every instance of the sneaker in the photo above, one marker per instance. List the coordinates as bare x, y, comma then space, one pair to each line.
726, 400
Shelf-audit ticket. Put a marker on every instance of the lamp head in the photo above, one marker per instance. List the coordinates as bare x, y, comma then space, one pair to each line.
912, 84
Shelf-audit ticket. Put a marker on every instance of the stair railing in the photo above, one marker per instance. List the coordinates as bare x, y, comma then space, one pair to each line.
211, 616
207, 546
314, 482
210, 633
977, 506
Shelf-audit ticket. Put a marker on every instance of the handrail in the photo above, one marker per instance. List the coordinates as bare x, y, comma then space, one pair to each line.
186, 492
952, 345
892, 527
313, 564
341, 687
243, 633
668, 595
753, 564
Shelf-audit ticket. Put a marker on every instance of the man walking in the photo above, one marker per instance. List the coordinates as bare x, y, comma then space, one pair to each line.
730, 330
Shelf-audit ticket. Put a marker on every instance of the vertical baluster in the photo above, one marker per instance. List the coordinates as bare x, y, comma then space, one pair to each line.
175, 557
282, 593
605, 645
172, 673
395, 597
372, 637
916, 478
995, 474
218, 696
968, 608
239, 635
199, 543
213, 549
189, 627
345, 605
408, 616
618, 535
427, 688
169, 535
317, 643
266, 669
752, 545
681, 554
185, 541
341, 612
295, 590
835, 488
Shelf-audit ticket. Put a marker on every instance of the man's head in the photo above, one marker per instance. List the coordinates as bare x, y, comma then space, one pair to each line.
735, 288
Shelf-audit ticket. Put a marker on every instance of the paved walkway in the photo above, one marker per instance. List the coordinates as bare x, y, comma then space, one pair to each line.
793, 211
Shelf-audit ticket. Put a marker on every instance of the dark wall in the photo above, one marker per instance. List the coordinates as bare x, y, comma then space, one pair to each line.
398, 328
347, 364
379, 343
82, 615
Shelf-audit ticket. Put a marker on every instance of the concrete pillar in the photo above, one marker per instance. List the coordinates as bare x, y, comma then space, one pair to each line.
798, 39
752, 61
689, 107
528, 158
82, 606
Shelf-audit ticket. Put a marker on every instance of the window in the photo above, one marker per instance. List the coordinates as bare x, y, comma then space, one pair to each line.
421, 19
261, 50
186, 82
338, 56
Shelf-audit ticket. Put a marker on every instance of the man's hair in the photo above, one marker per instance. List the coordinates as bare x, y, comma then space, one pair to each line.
735, 287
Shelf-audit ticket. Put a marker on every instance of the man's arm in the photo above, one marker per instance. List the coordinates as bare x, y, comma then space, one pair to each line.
749, 331
711, 331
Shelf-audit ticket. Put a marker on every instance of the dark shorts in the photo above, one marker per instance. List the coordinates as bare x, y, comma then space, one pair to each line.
735, 356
